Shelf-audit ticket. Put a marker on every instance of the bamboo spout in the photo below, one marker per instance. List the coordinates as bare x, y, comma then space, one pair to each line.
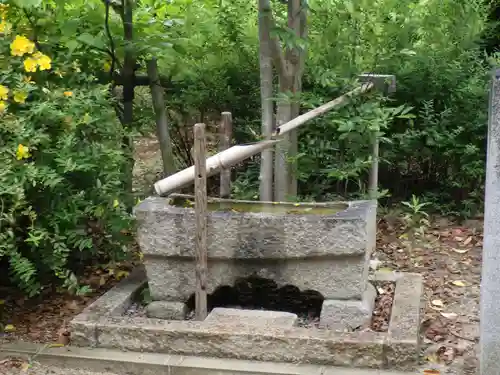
237, 154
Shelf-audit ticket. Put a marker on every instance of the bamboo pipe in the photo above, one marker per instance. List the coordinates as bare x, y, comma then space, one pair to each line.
237, 154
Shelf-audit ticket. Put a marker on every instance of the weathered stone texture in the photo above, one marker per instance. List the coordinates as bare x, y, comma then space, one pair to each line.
166, 230
326, 253
398, 348
341, 314
166, 310
259, 318
174, 279
403, 334
299, 345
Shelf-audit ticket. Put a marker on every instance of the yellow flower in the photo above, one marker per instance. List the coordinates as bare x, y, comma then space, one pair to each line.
21, 45
20, 96
107, 66
3, 106
4, 10
23, 152
5, 27
43, 61
116, 203
30, 64
68, 93
4, 92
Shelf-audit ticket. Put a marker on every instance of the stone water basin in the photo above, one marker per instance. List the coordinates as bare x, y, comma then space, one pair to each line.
323, 247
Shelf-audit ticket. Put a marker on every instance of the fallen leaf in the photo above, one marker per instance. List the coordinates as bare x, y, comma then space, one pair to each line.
468, 240
385, 269
9, 328
121, 274
437, 303
449, 315
447, 355
102, 280
72, 305
380, 290
56, 345
458, 283
432, 358
460, 251
25, 366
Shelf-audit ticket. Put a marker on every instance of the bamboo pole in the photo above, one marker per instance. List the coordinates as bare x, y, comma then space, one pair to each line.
236, 154
200, 207
226, 134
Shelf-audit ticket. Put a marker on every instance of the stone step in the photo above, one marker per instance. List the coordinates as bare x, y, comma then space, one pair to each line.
84, 361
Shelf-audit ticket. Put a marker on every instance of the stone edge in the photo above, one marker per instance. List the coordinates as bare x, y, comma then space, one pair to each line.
355, 210
399, 347
114, 302
98, 360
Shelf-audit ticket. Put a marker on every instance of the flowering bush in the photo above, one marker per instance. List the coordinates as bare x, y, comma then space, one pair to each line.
61, 163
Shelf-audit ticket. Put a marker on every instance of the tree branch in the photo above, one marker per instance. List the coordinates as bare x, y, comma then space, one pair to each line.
110, 37
34, 27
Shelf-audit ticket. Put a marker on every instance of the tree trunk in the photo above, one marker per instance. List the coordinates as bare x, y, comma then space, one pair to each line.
162, 132
128, 91
285, 173
266, 93
281, 164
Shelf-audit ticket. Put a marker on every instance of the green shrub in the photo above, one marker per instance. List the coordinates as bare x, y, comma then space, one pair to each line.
60, 175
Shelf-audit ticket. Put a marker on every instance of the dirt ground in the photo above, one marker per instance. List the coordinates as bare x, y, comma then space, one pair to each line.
447, 254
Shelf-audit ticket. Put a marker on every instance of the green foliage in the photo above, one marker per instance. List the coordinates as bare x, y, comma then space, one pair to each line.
60, 182
436, 149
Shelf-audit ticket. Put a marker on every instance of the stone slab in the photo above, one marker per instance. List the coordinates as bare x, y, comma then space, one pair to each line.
348, 315
404, 325
398, 347
257, 318
98, 361
166, 310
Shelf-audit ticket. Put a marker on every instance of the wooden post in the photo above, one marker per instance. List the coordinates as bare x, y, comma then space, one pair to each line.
373, 181
226, 134
200, 199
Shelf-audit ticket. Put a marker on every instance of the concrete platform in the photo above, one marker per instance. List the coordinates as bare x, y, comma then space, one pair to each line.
61, 361
102, 325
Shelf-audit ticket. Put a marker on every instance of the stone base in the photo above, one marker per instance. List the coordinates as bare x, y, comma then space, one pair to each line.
342, 315
259, 318
102, 325
166, 310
